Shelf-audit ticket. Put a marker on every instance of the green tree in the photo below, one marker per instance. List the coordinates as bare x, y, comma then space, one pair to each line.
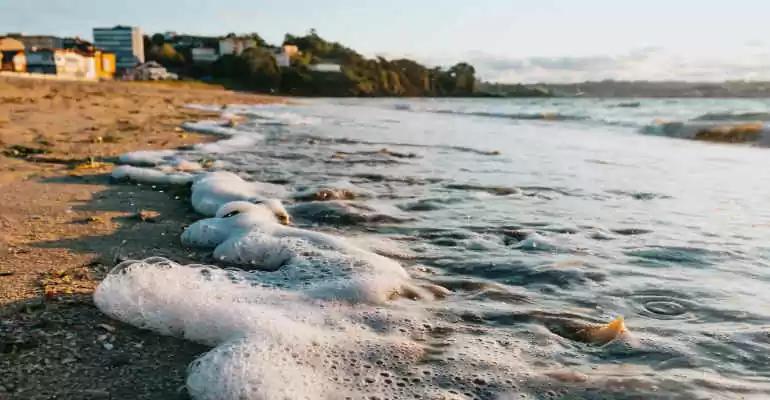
158, 39
259, 69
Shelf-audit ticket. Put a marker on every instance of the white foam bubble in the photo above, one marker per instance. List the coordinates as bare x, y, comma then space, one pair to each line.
148, 157
212, 190
151, 176
331, 266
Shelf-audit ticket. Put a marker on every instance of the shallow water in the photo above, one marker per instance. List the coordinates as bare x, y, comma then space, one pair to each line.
574, 210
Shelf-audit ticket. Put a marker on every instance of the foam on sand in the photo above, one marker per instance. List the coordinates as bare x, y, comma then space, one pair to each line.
213, 190
151, 176
282, 344
328, 266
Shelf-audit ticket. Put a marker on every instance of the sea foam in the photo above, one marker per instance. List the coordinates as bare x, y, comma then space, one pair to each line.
284, 343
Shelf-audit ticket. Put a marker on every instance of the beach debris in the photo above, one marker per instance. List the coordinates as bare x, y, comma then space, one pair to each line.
594, 334
43, 141
19, 151
148, 216
94, 219
91, 163
178, 129
492, 153
106, 327
338, 155
6, 273
207, 163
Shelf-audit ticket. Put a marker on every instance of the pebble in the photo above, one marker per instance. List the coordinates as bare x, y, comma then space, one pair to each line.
108, 346
118, 360
108, 328
148, 216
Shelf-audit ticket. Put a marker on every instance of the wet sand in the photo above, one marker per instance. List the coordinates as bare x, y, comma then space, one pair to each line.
63, 225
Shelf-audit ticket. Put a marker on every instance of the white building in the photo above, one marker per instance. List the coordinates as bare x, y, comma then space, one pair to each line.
203, 55
326, 67
235, 46
282, 59
125, 41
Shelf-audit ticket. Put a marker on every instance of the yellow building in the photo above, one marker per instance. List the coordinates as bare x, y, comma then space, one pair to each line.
11, 55
73, 64
105, 65
290, 50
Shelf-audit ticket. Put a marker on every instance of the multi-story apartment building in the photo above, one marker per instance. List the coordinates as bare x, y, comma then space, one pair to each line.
125, 42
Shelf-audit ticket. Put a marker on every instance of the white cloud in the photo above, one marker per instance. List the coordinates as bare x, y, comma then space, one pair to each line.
750, 61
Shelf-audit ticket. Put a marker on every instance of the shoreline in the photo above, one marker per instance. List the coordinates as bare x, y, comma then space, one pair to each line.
64, 225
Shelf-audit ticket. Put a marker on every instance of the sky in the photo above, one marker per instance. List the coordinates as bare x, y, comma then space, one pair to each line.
506, 40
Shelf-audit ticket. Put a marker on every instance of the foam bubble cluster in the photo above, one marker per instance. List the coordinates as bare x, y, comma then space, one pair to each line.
213, 190
273, 343
329, 266
151, 176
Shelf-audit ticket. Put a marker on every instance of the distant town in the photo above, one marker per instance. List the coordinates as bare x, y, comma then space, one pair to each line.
304, 65
118, 52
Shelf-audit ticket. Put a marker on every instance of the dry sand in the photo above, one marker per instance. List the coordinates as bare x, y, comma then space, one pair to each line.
62, 228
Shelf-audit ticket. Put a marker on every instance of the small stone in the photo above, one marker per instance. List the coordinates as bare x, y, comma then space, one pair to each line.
108, 328
148, 216
119, 360
108, 346
101, 338
95, 220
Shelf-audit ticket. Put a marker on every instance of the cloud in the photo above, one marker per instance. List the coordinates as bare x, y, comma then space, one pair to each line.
751, 62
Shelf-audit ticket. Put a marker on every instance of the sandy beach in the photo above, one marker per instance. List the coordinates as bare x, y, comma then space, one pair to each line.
63, 225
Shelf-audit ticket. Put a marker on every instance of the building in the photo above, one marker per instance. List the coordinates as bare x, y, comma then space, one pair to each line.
125, 42
10, 44
38, 41
282, 59
76, 43
326, 67
11, 54
235, 46
290, 50
71, 63
203, 55
284, 55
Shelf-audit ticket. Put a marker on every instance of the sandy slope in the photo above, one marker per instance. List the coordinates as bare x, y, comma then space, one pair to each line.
61, 228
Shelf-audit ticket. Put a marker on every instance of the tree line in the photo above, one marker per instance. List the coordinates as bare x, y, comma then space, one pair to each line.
256, 69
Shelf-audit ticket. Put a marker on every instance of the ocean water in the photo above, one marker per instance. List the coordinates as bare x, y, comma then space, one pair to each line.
462, 249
